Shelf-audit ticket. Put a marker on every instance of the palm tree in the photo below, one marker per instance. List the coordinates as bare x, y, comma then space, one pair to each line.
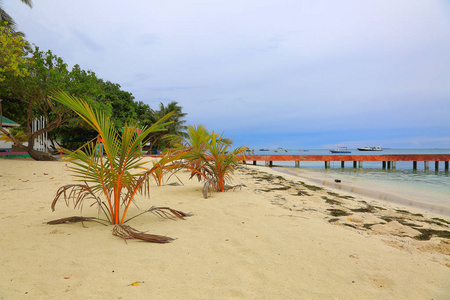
114, 175
177, 126
7, 20
209, 158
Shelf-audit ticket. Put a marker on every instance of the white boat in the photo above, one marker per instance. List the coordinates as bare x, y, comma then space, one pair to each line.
367, 148
280, 150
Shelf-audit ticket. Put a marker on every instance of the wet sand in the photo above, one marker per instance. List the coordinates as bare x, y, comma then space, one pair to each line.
414, 198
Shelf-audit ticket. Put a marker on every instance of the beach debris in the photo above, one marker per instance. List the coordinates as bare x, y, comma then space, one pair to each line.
233, 187
127, 232
338, 212
165, 213
208, 187
355, 256
301, 193
340, 196
312, 187
337, 180
136, 283
426, 234
331, 201
283, 188
75, 219
367, 209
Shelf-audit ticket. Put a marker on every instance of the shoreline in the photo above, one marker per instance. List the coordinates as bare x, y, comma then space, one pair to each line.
276, 237
372, 190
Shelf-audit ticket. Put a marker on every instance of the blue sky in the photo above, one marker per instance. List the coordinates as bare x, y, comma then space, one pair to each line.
292, 74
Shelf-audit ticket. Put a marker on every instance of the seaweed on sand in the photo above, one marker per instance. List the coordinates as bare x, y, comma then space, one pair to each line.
283, 188
301, 193
441, 220
367, 209
428, 233
340, 196
400, 220
408, 213
338, 212
312, 187
331, 201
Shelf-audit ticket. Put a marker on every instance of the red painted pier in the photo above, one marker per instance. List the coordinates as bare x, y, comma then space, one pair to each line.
388, 161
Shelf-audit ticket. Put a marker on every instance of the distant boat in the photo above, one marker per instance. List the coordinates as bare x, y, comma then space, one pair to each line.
341, 150
367, 148
263, 149
280, 150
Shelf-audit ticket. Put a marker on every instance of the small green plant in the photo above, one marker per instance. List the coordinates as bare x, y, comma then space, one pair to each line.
209, 158
110, 180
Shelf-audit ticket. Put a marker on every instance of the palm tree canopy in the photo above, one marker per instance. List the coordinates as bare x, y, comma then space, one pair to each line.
176, 128
7, 20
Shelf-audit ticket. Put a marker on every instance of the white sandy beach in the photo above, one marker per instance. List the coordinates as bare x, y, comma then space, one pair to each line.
258, 242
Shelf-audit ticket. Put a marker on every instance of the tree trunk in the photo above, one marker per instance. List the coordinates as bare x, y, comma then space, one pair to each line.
40, 156
35, 154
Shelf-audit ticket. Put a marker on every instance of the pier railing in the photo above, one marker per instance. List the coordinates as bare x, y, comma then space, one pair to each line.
388, 160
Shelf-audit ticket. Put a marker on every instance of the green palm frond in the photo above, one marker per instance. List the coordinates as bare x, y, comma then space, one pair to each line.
112, 173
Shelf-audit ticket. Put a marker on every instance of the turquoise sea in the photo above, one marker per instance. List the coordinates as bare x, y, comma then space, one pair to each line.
421, 188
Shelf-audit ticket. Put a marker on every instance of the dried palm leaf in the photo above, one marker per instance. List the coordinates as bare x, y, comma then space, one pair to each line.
75, 219
165, 213
126, 232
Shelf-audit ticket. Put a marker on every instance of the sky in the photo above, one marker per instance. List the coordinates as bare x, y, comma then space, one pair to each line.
300, 74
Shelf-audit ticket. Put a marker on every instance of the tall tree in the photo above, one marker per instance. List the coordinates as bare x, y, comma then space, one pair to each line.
12, 54
29, 97
177, 126
121, 102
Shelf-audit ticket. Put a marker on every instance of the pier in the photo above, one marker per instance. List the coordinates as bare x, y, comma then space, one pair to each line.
388, 161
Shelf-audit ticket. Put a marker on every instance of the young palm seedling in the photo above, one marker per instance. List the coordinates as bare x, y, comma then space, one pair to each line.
111, 180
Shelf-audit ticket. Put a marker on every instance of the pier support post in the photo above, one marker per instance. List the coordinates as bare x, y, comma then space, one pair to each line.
414, 165
446, 166
360, 164
394, 164
266, 163
297, 164
436, 165
384, 165
254, 162
342, 164
389, 165
354, 164
327, 164
426, 165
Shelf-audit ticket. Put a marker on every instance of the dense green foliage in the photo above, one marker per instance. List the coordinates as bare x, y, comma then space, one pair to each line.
28, 77
28, 97
12, 51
